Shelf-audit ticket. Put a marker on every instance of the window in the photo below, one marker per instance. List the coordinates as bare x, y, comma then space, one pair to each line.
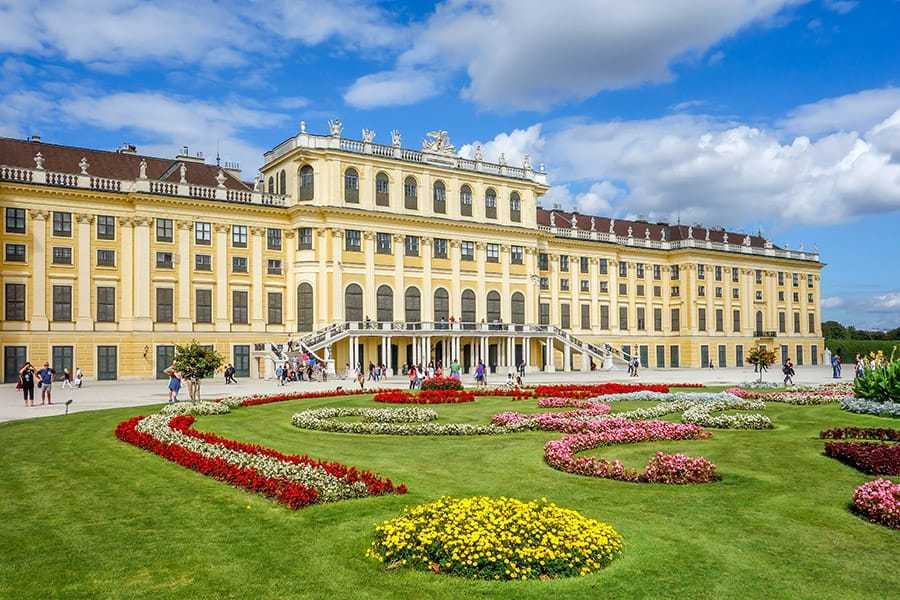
442, 306
657, 291
411, 245
564, 264
811, 322
585, 285
584, 264
493, 306
62, 255
382, 190
239, 236
675, 291
516, 255
15, 220
759, 295
759, 276
203, 306
814, 354
14, 298
660, 356
517, 306
545, 283
641, 318
675, 272
799, 353
796, 322
809, 280
306, 183
782, 325
440, 197
351, 186
623, 289
164, 230
657, 319
676, 319
273, 266
107, 363
353, 240
640, 289
809, 298
543, 262
106, 304
565, 318
383, 243
759, 322
701, 319
106, 228
412, 304
544, 314
202, 234
735, 293
704, 356
640, 270
305, 238
274, 308
440, 248
720, 320
722, 354
718, 271
604, 266
15, 252
273, 239
239, 307
490, 204
718, 292
780, 277
795, 279
465, 201
623, 269
701, 291
106, 258
739, 355
515, 207
203, 262
384, 303
604, 316
241, 360
674, 358
62, 224
163, 260
623, 317
564, 284
239, 264
604, 287
657, 272
736, 321
164, 312
735, 275
271, 187
467, 310
62, 302
796, 297
493, 253
467, 250
410, 193
353, 303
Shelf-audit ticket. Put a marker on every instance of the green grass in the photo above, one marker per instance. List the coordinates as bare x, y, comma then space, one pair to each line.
84, 515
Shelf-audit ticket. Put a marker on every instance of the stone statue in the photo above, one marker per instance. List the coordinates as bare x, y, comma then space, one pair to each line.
526, 162
630, 231
541, 168
746, 240
258, 183
143, 169
478, 154
553, 219
84, 164
725, 238
662, 235
336, 127
368, 135
502, 159
438, 142
690, 232
182, 172
612, 226
593, 225
220, 178
302, 126
39, 161
647, 233
395, 138
707, 235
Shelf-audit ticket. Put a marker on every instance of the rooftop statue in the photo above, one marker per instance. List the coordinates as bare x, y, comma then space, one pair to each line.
438, 142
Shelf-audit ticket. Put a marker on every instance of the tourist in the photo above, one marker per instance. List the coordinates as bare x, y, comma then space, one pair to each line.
510, 382
230, 372
480, 378
26, 382
837, 363
413, 377
860, 367
67, 379
45, 382
788, 370
454, 369
360, 379
372, 371
79, 377
174, 383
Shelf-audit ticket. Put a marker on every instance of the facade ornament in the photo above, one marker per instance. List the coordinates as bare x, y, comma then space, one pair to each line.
502, 159
395, 138
220, 179
747, 240
478, 154
593, 224
801, 247
725, 238
612, 226
690, 232
662, 235
336, 127
258, 182
142, 169
647, 233
220, 227
438, 142
84, 164
553, 219
368, 135
630, 231
815, 248
541, 168
787, 246
526, 162
302, 126
182, 172
38, 214
768, 245
39, 161
707, 235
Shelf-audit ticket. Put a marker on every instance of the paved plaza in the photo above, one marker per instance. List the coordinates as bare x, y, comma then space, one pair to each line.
99, 395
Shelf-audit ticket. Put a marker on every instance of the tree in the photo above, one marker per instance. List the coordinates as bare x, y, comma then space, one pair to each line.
195, 362
761, 358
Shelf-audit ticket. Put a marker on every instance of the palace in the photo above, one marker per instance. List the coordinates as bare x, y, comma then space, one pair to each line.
368, 252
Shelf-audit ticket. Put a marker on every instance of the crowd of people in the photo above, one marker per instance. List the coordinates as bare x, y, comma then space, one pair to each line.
43, 379
304, 367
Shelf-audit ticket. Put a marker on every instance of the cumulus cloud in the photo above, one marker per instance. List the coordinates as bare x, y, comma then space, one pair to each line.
533, 54
841, 6
832, 302
852, 112
513, 146
391, 88
865, 311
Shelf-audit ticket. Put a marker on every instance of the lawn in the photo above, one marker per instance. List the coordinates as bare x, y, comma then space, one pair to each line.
85, 515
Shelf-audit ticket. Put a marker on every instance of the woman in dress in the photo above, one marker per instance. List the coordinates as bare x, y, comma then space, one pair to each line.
174, 383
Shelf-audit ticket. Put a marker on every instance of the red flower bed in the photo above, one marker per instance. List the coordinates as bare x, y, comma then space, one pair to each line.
290, 493
251, 401
862, 433
425, 397
442, 383
499, 392
600, 389
868, 457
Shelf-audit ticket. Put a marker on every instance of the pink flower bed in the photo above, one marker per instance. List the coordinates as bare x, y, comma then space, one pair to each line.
679, 469
879, 501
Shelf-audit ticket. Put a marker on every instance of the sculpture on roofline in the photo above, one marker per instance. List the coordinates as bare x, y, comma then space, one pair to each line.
395, 138
612, 226
368, 135
647, 233
479, 156
707, 235
438, 142
502, 159
725, 238
630, 231
593, 224
143, 169
690, 232
39, 161
526, 162
84, 164
746, 240
182, 170
336, 127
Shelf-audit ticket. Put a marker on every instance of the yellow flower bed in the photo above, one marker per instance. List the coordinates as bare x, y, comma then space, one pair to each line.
495, 538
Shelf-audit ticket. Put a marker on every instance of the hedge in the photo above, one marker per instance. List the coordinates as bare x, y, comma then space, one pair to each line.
848, 348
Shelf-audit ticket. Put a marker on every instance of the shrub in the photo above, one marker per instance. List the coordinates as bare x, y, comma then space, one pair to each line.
442, 383
849, 348
495, 538
761, 358
879, 501
881, 383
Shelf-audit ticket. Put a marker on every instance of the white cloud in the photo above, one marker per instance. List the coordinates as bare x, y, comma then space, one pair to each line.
354, 23
533, 54
832, 302
841, 6
852, 112
391, 88
514, 146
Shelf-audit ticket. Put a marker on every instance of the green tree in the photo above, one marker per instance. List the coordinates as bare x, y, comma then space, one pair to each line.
761, 358
194, 362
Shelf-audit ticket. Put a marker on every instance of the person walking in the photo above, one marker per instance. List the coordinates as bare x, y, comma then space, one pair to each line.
413, 377
860, 367
67, 379
79, 377
788, 370
454, 370
45, 382
26, 381
835, 374
479, 374
174, 383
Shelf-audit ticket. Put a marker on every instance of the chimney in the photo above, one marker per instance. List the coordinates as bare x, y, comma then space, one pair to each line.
127, 148
36, 138
187, 157
233, 168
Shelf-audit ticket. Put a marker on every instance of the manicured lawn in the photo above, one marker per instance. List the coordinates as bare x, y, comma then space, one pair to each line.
85, 515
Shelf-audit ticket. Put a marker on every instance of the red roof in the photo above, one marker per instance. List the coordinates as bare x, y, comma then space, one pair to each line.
112, 165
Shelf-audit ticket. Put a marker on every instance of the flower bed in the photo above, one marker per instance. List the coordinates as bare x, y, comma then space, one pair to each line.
442, 383
495, 538
515, 394
869, 457
439, 396
862, 433
871, 407
879, 502
600, 389
805, 396
696, 408
391, 421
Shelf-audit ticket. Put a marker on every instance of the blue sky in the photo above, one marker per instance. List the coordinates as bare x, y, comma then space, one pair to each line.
780, 115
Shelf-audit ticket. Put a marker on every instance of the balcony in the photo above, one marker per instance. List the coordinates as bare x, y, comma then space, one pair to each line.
764, 334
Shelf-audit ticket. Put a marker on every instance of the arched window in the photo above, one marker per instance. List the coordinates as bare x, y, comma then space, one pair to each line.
410, 193
467, 314
440, 197
518, 308
353, 303
515, 207
282, 183
271, 185
384, 303
490, 204
465, 201
351, 186
306, 182
441, 305
493, 307
412, 302
382, 190
759, 322
305, 307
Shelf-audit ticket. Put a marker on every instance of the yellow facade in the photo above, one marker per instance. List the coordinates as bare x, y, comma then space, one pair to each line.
435, 247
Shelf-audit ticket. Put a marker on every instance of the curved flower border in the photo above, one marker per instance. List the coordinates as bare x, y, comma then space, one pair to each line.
801, 396
438, 396
872, 457
871, 407
879, 502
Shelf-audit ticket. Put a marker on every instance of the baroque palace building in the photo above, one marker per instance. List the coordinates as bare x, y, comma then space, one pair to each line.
368, 252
